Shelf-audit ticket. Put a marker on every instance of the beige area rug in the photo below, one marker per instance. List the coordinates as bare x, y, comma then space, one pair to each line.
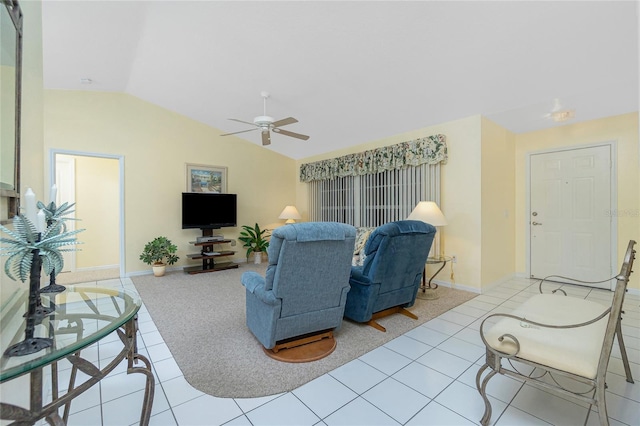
202, 320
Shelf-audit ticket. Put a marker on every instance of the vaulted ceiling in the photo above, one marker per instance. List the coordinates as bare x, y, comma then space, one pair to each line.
350, 71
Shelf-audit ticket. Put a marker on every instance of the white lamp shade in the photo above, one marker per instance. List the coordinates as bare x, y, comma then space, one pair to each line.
429, 212
290, 213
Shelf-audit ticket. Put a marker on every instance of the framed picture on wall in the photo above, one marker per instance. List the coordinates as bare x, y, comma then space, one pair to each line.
202, 178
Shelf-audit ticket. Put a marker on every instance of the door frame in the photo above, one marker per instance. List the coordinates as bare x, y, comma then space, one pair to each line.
70, 174
120, 158
613, 145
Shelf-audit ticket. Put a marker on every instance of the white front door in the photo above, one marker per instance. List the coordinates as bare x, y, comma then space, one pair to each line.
570, 228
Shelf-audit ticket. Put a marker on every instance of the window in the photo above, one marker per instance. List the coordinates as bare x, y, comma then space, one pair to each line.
374, 199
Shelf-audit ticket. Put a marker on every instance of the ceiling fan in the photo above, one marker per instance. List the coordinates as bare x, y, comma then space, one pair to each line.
558, 113
266, 125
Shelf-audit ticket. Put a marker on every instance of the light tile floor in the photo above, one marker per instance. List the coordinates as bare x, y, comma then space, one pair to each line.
425, 377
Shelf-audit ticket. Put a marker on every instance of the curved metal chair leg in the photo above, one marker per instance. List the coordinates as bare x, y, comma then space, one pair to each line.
487, 404
602, 404
623, 353
479, 374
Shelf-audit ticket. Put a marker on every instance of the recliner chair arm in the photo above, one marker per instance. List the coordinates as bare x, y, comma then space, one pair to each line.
255, 283
252, 280
358, 278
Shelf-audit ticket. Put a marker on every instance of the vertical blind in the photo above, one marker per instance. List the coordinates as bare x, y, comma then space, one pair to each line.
374, 187
374, 199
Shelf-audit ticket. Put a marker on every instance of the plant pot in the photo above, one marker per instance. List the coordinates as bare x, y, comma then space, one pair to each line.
257, 257
158, 270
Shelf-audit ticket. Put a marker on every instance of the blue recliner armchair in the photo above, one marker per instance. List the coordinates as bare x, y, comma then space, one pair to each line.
306, 283
389, 278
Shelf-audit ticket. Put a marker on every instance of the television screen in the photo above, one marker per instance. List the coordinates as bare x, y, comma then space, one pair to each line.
208, 211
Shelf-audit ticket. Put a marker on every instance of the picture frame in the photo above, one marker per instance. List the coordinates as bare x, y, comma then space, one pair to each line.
204, 178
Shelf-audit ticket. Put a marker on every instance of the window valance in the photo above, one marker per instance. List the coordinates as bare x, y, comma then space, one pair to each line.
427, 150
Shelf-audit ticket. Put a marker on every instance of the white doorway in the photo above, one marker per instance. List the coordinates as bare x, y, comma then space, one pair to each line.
571, 233
95, 182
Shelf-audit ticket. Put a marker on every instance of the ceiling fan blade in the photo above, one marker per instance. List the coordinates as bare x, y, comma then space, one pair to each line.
266, 138
292, 134
284, 122
240, 121
241, 131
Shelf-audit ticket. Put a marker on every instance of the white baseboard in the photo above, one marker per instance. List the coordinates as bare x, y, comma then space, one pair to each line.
97, 268
457, 286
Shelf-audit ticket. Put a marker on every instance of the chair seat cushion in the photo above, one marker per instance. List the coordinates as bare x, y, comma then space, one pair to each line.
574, 350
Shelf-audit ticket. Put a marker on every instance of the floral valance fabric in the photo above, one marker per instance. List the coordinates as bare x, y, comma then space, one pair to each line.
428, 150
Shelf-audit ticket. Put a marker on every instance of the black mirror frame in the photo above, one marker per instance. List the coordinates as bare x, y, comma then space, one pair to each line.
13, 196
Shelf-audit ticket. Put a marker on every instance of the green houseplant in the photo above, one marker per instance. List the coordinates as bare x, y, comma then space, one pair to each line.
255, 240
159, 253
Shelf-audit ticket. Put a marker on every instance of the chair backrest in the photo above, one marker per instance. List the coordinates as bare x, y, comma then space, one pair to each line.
396, 253
622, 279
309, 265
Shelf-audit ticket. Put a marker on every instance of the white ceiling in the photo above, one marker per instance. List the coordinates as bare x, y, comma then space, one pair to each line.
350, 71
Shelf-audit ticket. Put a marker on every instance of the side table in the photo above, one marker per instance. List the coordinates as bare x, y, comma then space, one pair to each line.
427, 289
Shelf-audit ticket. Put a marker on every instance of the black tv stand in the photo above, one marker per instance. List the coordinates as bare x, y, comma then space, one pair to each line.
207, 232
208, 255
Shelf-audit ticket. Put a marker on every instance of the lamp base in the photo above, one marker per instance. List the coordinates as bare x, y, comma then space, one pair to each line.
428, 294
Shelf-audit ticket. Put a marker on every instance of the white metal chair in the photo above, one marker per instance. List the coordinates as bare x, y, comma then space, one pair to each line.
561, 337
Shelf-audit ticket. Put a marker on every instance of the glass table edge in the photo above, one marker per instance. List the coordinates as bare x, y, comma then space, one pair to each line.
16, 371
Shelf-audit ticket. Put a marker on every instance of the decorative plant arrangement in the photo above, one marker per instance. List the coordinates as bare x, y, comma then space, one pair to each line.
255, 240
159, 253
36, 243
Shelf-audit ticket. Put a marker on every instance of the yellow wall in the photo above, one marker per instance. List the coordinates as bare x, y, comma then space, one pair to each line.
498, 201
460, 196
156, 145
97, 199
622, 129
31, 158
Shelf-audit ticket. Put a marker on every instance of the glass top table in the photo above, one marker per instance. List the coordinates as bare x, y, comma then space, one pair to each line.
426, 290
81, 316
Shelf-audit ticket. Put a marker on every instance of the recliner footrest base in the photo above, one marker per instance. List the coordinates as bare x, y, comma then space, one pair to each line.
305, 349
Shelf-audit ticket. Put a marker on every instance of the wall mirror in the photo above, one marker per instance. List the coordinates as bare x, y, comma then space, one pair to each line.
10, 97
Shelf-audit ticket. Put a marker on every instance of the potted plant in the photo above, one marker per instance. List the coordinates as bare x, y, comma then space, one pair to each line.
159, 253
255, 241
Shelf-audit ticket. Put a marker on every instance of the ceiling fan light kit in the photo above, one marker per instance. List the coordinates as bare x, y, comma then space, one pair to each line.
266, 125
558, 114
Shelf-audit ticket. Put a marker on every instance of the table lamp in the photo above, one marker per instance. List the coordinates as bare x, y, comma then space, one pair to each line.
290, 213
429, 212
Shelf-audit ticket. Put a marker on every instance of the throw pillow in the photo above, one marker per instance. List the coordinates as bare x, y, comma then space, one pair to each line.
362, 235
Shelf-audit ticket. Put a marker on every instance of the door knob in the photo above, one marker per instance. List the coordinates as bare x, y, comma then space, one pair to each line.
536, 223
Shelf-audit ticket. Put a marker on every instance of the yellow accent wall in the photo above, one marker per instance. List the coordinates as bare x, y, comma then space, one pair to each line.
97, 200
156, 145
498, 201
623, 129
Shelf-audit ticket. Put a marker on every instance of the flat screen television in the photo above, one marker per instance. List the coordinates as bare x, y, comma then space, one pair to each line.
208, 210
